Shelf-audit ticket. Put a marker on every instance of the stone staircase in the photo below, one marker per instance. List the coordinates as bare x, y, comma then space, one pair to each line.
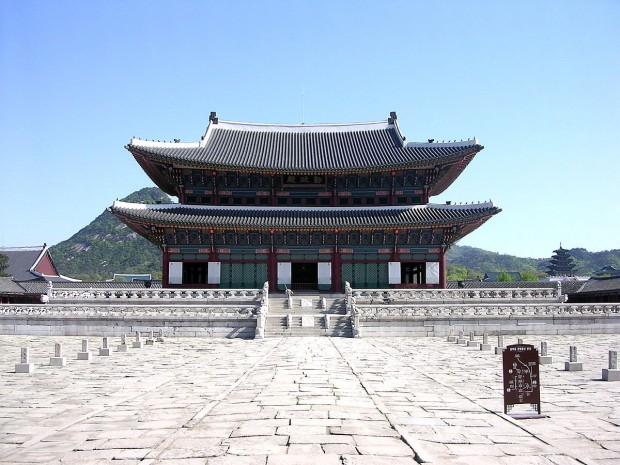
307, 317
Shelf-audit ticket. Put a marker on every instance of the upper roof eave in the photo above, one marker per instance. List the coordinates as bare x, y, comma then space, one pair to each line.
177, 215
430, 162
303, 148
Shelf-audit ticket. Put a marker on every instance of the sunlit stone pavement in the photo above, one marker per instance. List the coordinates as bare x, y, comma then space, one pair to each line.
301, 401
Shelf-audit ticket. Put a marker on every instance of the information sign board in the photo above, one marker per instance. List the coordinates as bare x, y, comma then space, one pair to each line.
521, 380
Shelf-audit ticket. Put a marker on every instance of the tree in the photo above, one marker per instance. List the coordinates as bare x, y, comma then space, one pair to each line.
504, 277
531, 275
4, 264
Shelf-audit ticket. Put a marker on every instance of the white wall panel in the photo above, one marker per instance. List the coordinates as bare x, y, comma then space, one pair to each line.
325, 273
175, 273
432, 272
394, 273
214, 272
284, 273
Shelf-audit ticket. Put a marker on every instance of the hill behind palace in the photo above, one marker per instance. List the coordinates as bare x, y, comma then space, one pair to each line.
107, 246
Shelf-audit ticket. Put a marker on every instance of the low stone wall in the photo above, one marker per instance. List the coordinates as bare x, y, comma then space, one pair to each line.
76, 320
438, 320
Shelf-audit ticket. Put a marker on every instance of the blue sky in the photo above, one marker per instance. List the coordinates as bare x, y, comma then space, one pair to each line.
537, 82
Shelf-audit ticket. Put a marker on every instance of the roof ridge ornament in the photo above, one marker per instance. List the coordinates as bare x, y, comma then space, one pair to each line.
213, 117
393, 117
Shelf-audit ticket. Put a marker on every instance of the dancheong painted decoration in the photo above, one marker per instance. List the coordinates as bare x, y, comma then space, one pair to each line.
303, 207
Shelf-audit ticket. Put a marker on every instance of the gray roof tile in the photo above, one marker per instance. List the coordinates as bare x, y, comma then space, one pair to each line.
305, 148
21, 260
304, 218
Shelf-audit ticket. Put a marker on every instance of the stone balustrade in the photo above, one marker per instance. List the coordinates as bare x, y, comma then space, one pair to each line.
404, 296
482, 310
102, 294
126, 311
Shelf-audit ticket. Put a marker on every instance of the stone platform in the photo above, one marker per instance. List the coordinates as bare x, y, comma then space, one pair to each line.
301, 401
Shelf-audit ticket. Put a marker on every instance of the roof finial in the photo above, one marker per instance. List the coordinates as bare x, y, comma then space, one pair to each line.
213, 117
392, 117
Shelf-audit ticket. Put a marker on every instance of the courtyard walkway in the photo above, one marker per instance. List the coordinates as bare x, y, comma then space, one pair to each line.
301, 401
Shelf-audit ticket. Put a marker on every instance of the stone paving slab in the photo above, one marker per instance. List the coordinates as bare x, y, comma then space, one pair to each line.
301, 401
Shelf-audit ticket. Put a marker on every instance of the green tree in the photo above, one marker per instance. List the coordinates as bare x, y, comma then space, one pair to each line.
4, 264
456, 273
531, 275
504, 277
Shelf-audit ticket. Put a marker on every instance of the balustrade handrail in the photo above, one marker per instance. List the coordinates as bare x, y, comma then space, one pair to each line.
60, 294
121, 310
487, 309
453, 295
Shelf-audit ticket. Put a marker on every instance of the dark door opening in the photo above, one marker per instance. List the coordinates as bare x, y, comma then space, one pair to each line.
304, 276
195, 273
413, 273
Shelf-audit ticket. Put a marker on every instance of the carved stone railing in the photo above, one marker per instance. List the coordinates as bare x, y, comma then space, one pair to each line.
263, 311
469, 296
58, 295
486, 310
126, 311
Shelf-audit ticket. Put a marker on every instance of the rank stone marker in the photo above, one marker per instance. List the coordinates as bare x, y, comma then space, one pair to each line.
573, 364
85, 354
500, 345
123, 347
461, 339
485, 342
25, 366
612, 373
451, 336
105, 349
543, 358
472, 341
137, 344
150, 340
58, 360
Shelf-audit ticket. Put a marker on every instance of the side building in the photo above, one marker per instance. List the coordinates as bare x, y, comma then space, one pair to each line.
305, 207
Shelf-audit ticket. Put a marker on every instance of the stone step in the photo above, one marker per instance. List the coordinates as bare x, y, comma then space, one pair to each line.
277, 326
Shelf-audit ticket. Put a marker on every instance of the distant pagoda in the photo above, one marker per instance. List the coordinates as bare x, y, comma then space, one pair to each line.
304, 206
561, 263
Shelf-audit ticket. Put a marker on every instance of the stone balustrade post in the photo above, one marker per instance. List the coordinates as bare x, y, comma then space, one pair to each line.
25, 366
573, 364
612, 373
500, 345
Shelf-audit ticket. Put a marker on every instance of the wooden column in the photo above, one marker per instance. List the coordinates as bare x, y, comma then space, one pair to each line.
336, 266
442, 269
164, 271
272, 266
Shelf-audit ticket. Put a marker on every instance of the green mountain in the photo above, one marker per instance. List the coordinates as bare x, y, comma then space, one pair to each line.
478, 261
107, 246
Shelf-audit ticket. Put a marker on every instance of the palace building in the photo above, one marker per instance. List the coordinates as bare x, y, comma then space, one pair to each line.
305, 207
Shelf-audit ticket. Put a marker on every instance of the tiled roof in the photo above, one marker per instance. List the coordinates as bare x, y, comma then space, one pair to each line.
304, 218
321, 148
38, 286
21, 260
8, 286
105, 285
468, 284
600, 285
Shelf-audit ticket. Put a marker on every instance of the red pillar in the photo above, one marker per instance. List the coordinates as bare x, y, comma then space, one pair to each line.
336, 271
272, 263
442, 269
272, 271
164, 271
